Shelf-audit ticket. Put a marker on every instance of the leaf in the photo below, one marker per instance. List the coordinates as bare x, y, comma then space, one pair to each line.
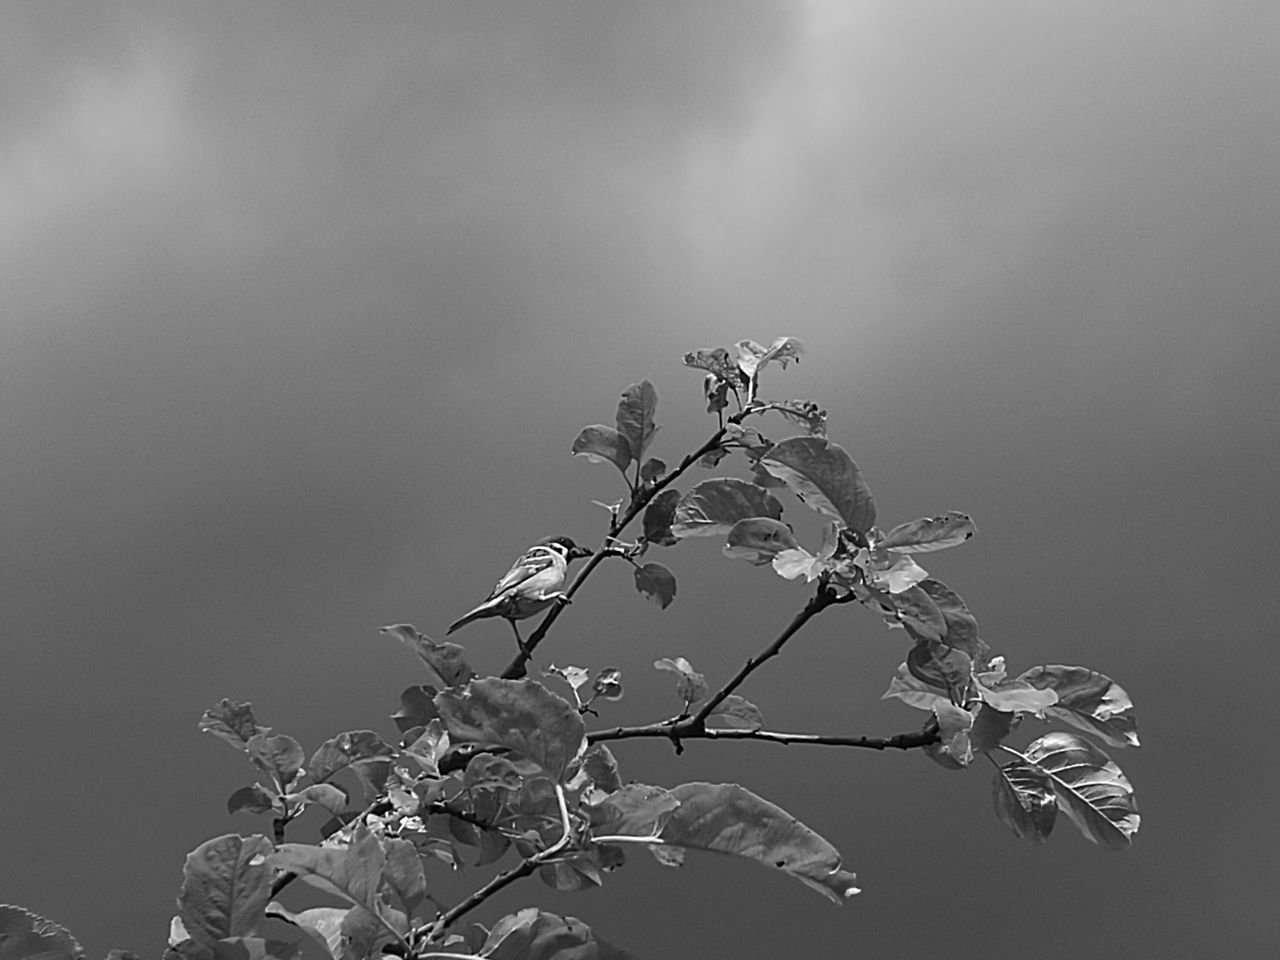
636, 810
602, 767
946, 668
446, 661
1091, 790
635, 416
573, 676
325, 795
403, 873
929, 533
226, 883
759, 540
353, 872
916, 611
608, 684
416, 708
713, 506
803, 413
534, 935
28, 936
1017, 696
254, 948
962, 626
653, 469
279, 756
233, 722
899, 573
728, 818
1089, 701
321, 924
737, 713
954, 724
793, 563
823, 476
521, 715
990, 727
658, 516
657, 583
255, 799
752, 356
601, 444
1024, 800
911, 690
355, 749
719, 364
691, 685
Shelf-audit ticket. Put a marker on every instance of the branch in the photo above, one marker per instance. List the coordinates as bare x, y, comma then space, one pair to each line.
523, 869
689, 730
515, 670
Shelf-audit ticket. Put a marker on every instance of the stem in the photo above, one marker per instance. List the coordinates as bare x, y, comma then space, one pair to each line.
516, 668
523, 869
686, 730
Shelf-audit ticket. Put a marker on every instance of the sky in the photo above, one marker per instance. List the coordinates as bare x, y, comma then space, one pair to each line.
301, 306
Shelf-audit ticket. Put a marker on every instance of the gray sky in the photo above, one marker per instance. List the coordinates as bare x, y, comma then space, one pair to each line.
302, 304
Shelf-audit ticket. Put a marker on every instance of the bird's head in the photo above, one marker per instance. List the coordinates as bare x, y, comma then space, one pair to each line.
570, 549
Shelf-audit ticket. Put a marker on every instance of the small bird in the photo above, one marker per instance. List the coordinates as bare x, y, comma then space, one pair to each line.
531, 585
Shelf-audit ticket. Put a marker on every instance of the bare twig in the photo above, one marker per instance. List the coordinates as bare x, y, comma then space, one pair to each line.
687, 730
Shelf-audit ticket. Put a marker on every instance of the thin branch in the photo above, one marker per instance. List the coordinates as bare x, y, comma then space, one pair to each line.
515, 670
688, 730
522, 869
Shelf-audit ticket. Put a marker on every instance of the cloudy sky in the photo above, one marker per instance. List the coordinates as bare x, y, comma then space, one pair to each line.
302, 304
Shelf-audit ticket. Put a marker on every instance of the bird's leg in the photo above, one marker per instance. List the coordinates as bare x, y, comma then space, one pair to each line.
519, 639
561, 598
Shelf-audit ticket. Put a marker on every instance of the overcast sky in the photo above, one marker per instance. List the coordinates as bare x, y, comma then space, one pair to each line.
301, 306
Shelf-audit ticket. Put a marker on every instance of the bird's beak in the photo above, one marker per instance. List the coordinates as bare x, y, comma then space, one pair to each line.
577, 552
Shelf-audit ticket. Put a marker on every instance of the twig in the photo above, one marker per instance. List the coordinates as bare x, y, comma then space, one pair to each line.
687, 730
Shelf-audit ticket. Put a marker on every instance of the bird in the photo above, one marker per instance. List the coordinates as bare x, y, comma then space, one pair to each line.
531, 585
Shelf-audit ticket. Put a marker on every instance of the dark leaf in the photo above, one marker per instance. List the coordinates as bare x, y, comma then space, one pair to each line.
691, 686
823, 476
446, 661
635, 810
225, 887
27, 936
728, 818
737, 713
534, 935
962, 626
233, 722
716, 393
254, 799
521, 715
403, 873
719, 363
254, 948
608, 684
322, 924
279, 756
658, 516
602, 768
713, 506
759, 540
954, 726
990, 727
635, 416
1089, 701
326, 795
946, 668
416, 708
1024, 800
916, 611
929, 533
1091, 790
710, 459
601, 444
353, 872
362, 751
653, 469
657, 583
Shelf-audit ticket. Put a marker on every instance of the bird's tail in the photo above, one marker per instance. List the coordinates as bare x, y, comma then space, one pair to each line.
476, 614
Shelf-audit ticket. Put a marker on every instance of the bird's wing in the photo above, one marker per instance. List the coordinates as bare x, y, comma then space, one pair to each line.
532, 563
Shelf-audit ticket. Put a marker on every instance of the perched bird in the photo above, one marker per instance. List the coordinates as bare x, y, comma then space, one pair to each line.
531, 585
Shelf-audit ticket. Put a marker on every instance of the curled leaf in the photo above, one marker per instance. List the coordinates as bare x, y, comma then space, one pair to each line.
946, 668
446, 661
796, 562
601, 444
911, 690
691, 686
608, 684
1089, 701
929, 533
752, 356
233, 722
657, 583
954, 724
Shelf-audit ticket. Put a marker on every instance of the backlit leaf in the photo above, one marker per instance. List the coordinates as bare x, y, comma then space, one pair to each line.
713, 506
601, 444
573, 676
894, 573
608, 684
728, 818
658, 516
1091, 790
635, 416
1089, 701
797, 562
691, 686
759, 540
737, 713
1025, 801
929, 533
233, 722
656, 582
824, 477
225, 887
752, 356
445, 661
521, 715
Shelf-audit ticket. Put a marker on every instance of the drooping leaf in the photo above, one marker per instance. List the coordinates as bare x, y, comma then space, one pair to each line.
752, 356
403, 873
719, 363
445, 661
535, 935
759, 540
1088, 701
1025, 801
416, 708
657, 583
990, 727
728, 818
326, 795
954, 724
691, 686
803, 413
929, 533
353, 872
1092, 791
636, 810
653, 469
608, 684
915, 610
946, 668
28, 936
322, 924
962, 626
737, 713
233, 722
602, 767
658, 516
713, 506
279, 756
824, 477
635, 416
361, 751
716, 392
521, 715
601, 444
225, 887
254, 799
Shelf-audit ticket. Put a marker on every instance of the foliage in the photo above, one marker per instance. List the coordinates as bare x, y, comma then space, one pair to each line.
506, 768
